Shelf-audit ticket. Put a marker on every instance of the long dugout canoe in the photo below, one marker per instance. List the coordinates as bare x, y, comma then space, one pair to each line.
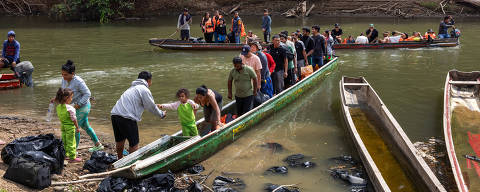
461, 127
448, 42
176, 152
189, 45
385, 150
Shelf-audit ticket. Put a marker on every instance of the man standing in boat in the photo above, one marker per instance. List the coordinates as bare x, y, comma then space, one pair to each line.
266, 26
183, 24
237, 28
11, 51
216, 22
244, 77
128, 111
444, 25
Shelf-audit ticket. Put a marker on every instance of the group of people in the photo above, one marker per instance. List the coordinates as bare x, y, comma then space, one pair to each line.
371, 35
11, 59
214, 28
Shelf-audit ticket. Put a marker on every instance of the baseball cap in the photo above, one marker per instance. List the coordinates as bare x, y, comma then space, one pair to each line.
237, 60
245, 49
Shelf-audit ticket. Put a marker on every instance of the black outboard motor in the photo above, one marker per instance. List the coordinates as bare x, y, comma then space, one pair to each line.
455, 33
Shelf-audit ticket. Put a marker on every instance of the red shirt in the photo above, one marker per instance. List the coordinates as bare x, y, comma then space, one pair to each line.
271, 62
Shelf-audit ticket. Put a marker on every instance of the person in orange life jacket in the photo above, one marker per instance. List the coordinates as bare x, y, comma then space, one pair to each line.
183, 24
236, 27
221, 31
11, 51
207, 27
430, 33
216, 22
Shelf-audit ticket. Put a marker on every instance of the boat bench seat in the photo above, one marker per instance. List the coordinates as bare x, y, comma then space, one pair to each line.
464, 82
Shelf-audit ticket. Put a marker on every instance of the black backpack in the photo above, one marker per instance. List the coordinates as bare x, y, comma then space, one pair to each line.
289, 53
32, 174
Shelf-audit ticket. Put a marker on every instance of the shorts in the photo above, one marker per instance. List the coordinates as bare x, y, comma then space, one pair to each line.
210, 114
185, 34
124, 128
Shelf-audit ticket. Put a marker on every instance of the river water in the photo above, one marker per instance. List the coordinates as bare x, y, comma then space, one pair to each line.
109, 56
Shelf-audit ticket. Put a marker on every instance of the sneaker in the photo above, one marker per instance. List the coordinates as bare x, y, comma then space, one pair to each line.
76, 160
96, 148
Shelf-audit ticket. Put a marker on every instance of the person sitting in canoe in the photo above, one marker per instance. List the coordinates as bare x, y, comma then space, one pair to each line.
221, 31
211, 101
362, 39
429, 35
251, 37
386, 38
414, 37
11, 51
349, 40
128, 111
444, 25
186, 109
396, 36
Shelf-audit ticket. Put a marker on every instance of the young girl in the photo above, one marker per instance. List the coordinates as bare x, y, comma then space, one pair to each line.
221, 30
186, 112
68, 119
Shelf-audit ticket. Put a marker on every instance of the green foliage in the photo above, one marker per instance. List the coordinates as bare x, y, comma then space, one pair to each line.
432, 5
87, 10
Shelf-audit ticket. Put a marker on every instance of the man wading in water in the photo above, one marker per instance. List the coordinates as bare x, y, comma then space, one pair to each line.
129, 109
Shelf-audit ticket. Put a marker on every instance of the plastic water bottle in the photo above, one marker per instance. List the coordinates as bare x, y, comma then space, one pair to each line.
50, 112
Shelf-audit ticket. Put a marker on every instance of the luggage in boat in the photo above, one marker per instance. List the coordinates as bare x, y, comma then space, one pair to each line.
32, 174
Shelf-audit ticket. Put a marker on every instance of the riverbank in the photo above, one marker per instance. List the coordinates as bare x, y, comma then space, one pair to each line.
153, 8
14, 125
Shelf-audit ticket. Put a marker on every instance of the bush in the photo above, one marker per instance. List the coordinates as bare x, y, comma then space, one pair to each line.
92, 10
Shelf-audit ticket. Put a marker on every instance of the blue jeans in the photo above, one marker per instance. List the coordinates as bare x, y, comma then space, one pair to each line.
220, 39
237, 39
442, 36
317, 60
215, 37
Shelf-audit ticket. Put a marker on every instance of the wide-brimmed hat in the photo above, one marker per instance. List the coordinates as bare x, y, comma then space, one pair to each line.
256, 43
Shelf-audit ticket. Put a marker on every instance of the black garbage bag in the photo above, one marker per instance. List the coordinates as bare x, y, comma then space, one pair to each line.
46, 143
308, 164
227, 184
195, 187
40, 156
275, 147
277, 170
99, 162
259, 99
270, 187
113, 184
157, 182
294, 160
196, 169
30, 173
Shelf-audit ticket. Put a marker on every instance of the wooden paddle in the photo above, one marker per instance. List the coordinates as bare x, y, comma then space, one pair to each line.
173, 33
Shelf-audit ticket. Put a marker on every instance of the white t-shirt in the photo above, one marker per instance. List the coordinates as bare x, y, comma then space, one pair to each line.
361, 40
395, 39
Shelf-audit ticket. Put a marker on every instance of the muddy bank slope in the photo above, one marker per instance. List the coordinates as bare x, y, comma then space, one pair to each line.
152, 8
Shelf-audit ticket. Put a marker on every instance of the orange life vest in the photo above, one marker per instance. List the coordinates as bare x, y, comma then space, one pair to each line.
216, 21
345, 41
433, 36
209, 27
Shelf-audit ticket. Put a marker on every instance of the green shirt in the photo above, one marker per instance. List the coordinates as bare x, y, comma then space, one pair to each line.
292, 49
243, 81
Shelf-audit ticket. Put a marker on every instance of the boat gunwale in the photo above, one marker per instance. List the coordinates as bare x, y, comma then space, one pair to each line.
447, 131
228, 126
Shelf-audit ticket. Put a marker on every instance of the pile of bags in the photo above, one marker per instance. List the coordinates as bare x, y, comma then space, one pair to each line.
32, 159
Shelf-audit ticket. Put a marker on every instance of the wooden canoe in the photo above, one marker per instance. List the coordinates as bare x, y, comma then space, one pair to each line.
357, 94
9, 81
448, 42
176, 152
461, 128
189, 45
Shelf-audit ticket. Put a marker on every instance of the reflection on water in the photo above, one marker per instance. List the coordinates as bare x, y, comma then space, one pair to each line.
110, 56
466, 138
368, 128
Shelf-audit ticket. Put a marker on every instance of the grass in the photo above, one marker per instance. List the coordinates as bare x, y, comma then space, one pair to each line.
432, 5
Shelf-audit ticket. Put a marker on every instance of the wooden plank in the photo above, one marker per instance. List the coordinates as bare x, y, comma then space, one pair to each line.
356, 84
464, 82
140, 152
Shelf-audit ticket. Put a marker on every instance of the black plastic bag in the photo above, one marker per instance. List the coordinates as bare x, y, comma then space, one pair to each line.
196, 169
275, 147
113, 184
195, 187
32, 174
40, 156
259, 99
157, 182
46, 143
270, 187
99, 162
277, 170
227, 184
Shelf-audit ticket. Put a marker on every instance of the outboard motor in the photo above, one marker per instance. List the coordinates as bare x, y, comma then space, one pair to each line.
455, 33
